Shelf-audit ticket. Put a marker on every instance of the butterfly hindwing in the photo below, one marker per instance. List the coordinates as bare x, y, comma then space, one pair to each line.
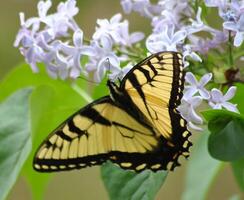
100, 131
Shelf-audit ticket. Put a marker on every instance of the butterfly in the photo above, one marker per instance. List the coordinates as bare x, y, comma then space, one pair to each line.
136, 127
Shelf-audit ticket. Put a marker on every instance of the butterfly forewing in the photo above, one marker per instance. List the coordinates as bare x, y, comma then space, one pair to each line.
156, 86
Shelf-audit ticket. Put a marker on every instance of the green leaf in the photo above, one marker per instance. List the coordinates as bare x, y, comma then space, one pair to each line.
122, 184
49, 108
22, 76
227, 134
238, 98
51, 103
238, 169
201, 171
15, 140
100, 90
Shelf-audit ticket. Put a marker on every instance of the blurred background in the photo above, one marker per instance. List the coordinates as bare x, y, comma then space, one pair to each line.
86, 183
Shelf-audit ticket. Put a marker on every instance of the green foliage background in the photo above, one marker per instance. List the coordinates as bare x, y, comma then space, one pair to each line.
49, 102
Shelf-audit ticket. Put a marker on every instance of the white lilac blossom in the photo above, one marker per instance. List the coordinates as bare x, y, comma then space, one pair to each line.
143, 7
103, 60
219, 101
188, 52
111, 33
39, 36
46, 39
166, 40
187, 110
195, 86
117, 30
238, 28
196, 25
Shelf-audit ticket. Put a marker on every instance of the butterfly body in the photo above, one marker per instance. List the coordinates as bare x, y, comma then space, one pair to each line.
136, 127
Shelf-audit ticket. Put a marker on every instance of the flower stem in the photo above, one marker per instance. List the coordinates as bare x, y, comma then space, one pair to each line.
82, 93
231, 60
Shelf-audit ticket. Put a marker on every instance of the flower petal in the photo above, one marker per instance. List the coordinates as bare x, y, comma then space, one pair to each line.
230, 93
238, 39
194, 127
136, 37
190, 92
205, 79
194, 117
231, 107
216, 95
78, 38
204, 93
190, 78
230, 26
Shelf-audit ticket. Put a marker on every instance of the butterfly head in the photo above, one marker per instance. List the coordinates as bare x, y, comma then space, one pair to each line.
115, 92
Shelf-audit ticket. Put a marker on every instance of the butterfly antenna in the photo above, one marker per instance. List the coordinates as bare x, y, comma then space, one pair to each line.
90, 81
109, 64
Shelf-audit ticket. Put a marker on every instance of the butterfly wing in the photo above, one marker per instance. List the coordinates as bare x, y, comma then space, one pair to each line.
98, 132
156, 86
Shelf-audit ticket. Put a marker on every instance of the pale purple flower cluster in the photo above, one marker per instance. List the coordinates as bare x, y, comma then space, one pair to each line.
111, 33
232, 12
57, 41
195, 93
172, 32
44, 45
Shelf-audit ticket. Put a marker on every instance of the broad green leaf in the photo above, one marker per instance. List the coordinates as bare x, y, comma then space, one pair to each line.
201, 171
100, 90
50, 106
22, 76
122, 184
227, 134
15, 138
51, 103
238, 169
238, 98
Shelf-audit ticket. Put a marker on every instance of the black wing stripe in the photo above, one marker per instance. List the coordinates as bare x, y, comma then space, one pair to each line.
95, 116
63, 135
74, 129
152, 68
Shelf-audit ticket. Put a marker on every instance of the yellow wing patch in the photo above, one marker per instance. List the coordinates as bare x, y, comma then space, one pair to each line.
91, 135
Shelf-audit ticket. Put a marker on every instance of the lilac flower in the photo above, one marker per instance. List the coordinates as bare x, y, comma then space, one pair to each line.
104, 59
238, 28
68, 8
129, 39
196, 86
202, 45
215, 3
197, 25
166, 40
187, 110
39, 40
109, 28
187, 52
143, 7
75, 52
218, 100
175, 10
117, 30
119, 73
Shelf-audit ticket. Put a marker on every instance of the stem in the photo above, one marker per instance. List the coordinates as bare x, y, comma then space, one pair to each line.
82, 93
231, 61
